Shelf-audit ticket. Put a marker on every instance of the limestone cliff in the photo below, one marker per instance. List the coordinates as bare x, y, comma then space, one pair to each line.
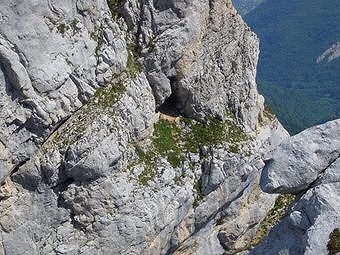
130, 127
307, 165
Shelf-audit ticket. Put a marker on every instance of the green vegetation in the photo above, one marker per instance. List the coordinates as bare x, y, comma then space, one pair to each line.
301, 91
166, 144
333, 245
113, 6
148, 160
268, 112
300, 108
106, 97
273, 217
166, 141
213, 131
174, 140
199, 194
62, 28
103, 101
73, 25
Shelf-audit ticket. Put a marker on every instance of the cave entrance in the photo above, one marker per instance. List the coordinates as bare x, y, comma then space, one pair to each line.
171, 106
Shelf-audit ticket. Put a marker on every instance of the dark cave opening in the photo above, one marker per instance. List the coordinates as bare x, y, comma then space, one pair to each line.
171, 106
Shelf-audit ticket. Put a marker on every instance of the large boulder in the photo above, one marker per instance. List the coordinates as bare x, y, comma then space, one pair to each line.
307, 164
301, 159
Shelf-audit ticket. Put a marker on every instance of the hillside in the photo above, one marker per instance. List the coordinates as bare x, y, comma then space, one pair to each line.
300, 55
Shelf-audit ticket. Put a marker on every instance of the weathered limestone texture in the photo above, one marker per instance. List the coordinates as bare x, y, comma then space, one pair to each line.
88, 165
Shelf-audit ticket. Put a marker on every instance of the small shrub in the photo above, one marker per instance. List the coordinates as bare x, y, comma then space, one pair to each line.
268, 112
98, 37
62, 28
108, 96
333, 245
113, 6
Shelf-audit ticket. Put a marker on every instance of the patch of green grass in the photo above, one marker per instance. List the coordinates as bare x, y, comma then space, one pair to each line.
147, 175
174, 140
148, 158
62, 28
273, 217
212, 132
102, 101
206, 133
106, 97
333, 244
166, 141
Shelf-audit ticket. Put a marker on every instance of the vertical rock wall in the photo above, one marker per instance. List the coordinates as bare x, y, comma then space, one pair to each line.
82, 84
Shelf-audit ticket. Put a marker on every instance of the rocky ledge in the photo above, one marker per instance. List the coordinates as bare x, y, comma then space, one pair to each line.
308, 165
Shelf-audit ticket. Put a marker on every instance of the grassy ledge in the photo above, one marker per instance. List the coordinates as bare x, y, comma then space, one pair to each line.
174, 140
273, 217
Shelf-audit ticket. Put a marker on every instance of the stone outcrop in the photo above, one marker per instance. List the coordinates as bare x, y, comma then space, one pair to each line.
87, 164
308, 165
301, 160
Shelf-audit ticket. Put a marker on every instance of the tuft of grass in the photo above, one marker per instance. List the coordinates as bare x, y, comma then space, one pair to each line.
102, 101
73, 25
148, 160
174, 140
98, 37
62, 28
147, 175
268, 112
166, 141
333, 244
106, 97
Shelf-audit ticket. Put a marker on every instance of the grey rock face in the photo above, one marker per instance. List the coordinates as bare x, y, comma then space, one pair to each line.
79, 94
307, 164
49, 67
299, 161
198, 44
